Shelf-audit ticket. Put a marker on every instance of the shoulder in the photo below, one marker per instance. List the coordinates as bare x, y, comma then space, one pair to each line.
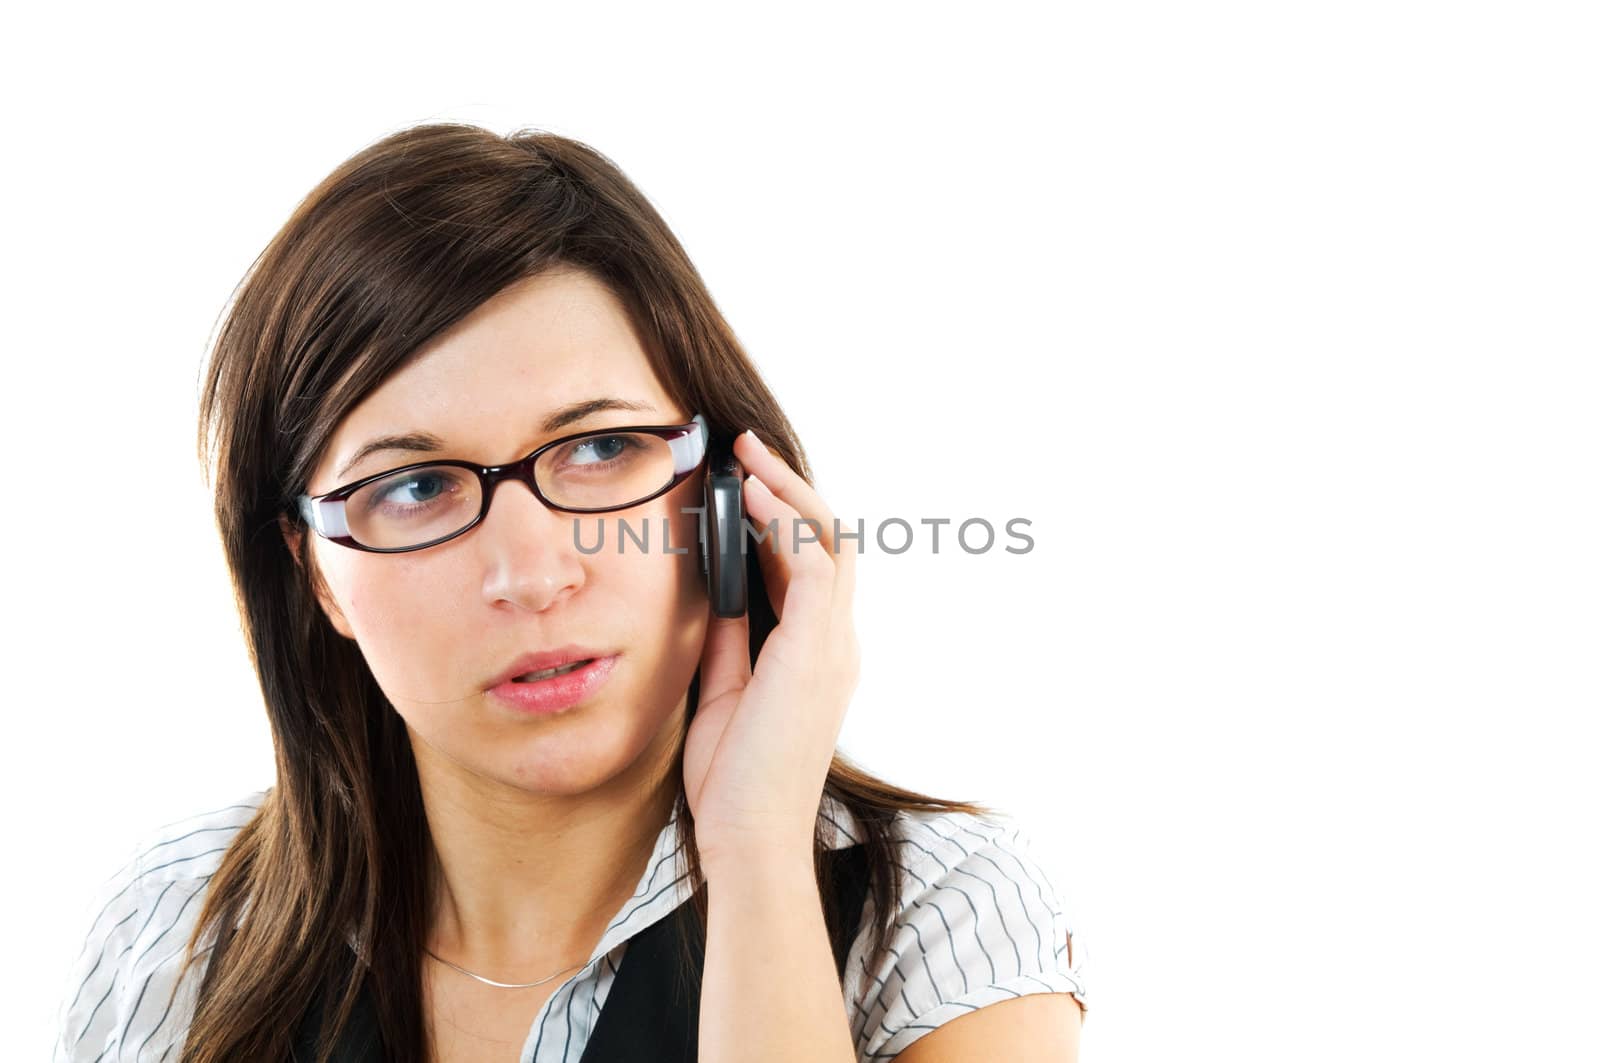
122, 993
982, 920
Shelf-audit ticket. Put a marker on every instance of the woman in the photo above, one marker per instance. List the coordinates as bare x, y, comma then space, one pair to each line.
534, 801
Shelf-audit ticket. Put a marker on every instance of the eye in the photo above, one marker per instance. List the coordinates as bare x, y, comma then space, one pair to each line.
413, 489
598, 449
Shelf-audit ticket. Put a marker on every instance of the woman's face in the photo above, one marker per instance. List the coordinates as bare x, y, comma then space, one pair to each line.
438, 626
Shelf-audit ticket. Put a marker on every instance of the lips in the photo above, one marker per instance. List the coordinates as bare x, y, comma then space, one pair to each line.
537, 662
558, 694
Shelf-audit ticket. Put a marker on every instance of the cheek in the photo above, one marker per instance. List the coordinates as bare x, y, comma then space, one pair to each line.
684, 528
650, 580
399, 618
381, 602
665, 591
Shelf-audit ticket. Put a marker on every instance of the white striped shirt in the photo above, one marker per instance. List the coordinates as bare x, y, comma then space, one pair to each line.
980, 922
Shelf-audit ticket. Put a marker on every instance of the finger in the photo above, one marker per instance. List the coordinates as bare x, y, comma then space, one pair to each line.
805, 562
792, 488
725, 661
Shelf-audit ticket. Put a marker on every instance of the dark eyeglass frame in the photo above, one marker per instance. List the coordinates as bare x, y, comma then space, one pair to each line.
324, 513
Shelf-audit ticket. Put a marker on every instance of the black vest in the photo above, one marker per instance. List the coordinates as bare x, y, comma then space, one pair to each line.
650, 1015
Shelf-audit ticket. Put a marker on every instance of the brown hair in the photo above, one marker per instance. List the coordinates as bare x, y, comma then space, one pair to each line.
398, 243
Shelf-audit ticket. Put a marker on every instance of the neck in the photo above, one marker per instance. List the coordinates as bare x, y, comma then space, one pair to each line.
525, 883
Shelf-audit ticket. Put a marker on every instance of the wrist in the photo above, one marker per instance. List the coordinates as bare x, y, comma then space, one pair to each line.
763, 868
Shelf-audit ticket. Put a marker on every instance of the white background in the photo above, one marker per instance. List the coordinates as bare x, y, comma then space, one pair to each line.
1278, 321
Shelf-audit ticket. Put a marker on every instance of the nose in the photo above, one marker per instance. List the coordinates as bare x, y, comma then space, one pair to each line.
529, 555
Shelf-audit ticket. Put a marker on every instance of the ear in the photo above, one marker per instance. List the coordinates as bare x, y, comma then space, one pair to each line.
292, 536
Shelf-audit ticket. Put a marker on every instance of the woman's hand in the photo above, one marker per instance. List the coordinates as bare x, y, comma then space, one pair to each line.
760, 745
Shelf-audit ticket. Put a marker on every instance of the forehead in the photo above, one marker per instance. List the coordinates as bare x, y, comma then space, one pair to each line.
545, 342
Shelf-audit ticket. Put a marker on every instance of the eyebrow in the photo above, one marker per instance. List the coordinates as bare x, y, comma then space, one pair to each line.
428, 443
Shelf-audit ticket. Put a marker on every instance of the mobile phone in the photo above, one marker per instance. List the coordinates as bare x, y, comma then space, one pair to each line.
722, 547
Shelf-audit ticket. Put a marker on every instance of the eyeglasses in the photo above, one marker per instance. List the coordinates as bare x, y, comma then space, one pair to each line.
422, 505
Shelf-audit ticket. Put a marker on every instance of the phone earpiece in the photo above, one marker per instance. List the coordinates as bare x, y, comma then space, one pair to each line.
722, 552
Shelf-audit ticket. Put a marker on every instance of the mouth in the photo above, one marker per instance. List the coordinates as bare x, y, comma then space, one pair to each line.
547, 673
544, 665
554, 688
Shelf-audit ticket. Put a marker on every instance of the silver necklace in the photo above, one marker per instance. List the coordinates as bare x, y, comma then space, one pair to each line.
490, 981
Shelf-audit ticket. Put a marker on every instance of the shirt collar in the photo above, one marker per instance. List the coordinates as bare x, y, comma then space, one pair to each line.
664, 883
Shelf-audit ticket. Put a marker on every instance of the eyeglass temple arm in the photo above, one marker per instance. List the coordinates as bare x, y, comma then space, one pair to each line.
687, 450
325, 516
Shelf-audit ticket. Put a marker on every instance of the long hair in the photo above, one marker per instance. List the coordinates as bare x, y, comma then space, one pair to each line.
397, 244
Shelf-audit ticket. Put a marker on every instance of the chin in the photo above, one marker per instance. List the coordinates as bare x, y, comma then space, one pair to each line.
575, 759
